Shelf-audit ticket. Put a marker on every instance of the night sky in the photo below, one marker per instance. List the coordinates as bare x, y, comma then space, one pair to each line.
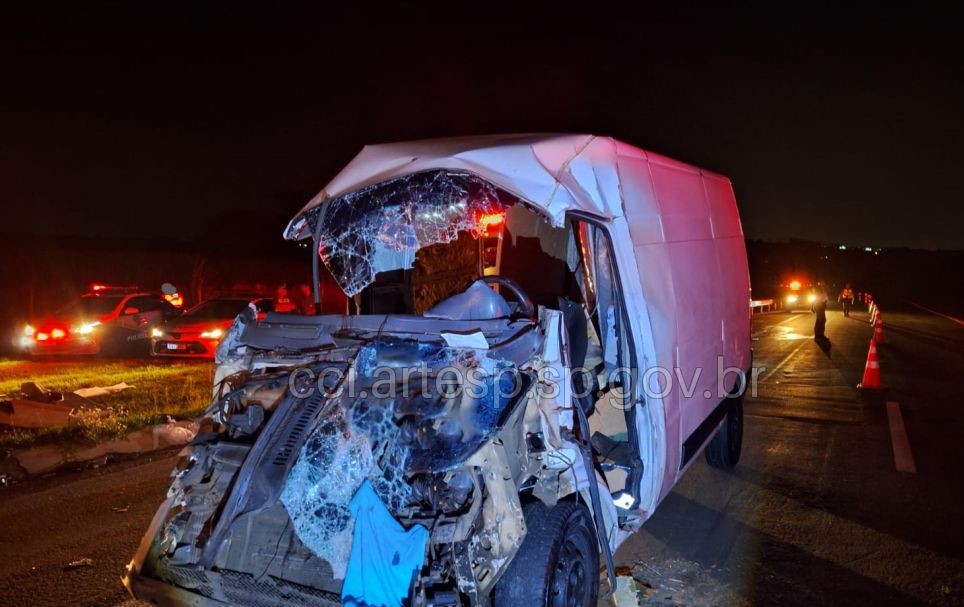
836, 127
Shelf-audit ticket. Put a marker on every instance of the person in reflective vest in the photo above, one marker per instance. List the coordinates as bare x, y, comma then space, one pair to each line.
846, 298
283, 303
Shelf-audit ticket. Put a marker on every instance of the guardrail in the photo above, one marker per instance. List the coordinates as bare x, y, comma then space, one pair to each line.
769, 304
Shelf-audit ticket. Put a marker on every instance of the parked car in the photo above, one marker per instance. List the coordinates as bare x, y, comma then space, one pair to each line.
108, 320
490, 423
197, 333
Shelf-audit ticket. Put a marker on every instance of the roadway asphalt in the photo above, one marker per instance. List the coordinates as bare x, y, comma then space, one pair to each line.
815, 514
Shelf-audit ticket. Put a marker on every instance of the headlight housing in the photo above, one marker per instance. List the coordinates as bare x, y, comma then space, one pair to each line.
792, 299
811, 298
155, 332
86, 329
212, 334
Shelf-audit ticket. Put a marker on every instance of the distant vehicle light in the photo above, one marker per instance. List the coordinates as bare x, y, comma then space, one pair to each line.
26, 342
58, 334
811, 298
155, 332
42, 336
29, 331
792, 298
795, 285
86, 329
212, 334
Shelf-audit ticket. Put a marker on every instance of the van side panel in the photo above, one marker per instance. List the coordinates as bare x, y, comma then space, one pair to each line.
734, 275
699, 337
691, 258
695, 268
656, 280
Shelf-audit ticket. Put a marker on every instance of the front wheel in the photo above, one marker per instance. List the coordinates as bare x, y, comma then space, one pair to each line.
724, 450
558, 562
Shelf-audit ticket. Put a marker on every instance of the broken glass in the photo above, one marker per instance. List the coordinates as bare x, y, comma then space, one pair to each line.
380, 227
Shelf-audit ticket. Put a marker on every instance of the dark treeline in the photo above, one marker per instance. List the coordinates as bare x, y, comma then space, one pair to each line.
40, 273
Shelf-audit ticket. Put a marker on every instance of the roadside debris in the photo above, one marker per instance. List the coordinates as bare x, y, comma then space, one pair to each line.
102, 390
21, 413
48, 458
674, 581
37, 407
84, 562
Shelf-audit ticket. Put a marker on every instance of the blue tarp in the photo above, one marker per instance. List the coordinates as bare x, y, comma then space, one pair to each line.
384, 556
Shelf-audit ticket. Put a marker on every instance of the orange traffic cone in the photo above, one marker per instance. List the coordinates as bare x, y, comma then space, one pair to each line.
879, 330
871, 380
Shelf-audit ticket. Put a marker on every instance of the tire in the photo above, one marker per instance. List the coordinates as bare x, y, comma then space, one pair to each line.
558, 562
724, 449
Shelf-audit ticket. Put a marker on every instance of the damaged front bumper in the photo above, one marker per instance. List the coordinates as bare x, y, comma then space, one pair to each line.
258, 511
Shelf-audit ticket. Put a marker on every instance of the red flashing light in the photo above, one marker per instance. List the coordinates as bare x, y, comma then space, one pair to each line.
491, 222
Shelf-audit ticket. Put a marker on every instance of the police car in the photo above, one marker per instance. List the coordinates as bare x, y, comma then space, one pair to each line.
108, 320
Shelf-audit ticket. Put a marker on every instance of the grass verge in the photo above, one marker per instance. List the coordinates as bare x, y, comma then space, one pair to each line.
181, 390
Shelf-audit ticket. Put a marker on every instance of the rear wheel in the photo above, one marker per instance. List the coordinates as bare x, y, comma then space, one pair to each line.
558, 562
724, 450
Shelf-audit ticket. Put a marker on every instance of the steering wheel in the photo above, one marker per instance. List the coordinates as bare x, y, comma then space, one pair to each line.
526, 307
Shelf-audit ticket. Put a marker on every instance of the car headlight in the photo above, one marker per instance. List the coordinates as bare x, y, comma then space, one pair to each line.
212, 334
792, 299
86, 329
811, 298
155, 332
29, 331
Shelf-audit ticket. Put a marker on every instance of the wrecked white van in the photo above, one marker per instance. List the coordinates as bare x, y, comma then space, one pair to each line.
543, 332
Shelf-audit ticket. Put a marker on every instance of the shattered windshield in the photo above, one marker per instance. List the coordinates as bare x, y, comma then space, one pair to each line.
380, 227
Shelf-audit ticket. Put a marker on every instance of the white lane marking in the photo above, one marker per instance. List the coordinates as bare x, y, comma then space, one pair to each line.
787, 358
903, 457
950, 318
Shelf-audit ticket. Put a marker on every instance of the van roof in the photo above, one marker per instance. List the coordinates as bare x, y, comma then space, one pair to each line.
556, 173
